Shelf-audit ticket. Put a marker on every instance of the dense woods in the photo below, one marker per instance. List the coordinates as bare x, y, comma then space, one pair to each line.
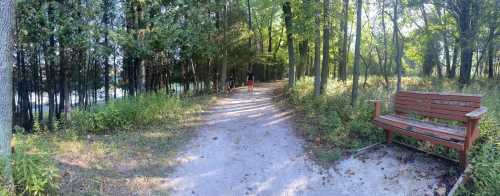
73, 54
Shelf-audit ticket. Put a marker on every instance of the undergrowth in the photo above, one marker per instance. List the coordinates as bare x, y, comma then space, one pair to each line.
36, 170
331, 122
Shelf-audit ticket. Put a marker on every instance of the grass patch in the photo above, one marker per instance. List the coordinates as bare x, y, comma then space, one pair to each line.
124, 147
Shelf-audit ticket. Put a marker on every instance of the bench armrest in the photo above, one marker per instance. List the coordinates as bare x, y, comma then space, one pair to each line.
477, 113
374, 101
377, 109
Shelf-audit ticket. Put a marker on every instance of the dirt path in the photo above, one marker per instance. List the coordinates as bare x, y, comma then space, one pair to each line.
248, 147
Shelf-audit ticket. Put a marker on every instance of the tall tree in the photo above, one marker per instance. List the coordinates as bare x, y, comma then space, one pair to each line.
466, 39
397, 46
492, 47
344, 49
357, 54
287, 11
106, 19
317, 50
7, 17
325, 72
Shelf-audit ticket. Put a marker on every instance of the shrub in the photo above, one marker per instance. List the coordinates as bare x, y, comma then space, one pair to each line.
34, 171
149, 109
332, 116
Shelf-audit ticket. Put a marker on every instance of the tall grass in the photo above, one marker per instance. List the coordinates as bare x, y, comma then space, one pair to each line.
338, 125
36, 171
144, 110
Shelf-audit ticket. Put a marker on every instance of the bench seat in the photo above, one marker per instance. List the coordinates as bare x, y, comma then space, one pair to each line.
450, 136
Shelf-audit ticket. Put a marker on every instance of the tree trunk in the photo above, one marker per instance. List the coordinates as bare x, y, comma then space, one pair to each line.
397, 47
446, 48
385, 64
491, 49
464, 26
453, 70
64, 91
270, 28
317, 51
223, 69
7, 17
51, 66
302, 66
287, 10
106, 20
357, 54
325, 72
343, 59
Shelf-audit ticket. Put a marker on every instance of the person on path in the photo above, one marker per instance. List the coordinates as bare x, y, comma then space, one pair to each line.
250, 81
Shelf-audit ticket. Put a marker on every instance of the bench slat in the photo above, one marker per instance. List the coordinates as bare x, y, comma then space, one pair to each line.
443, 96
423, 112
437, 105
423, 127
447, 143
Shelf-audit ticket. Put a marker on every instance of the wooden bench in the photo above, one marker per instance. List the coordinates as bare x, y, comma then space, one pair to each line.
454, 107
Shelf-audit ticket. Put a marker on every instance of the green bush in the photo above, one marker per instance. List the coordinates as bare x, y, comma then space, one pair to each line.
332, 117
149, 109
34, 171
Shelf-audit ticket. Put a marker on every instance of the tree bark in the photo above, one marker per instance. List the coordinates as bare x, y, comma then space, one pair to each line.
343, 59
50, 66
397, 47
325, 72
287, 10
7, 17
492, 46
464, 26
106, 20
357, 54
317, 51
303, 64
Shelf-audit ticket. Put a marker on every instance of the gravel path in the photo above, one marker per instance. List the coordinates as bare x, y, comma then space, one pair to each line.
248, 147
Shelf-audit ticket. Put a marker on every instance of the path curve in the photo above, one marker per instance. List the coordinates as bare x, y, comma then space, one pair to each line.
247, 146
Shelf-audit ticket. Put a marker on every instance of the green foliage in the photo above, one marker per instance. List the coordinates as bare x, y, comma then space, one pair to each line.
35, 172
149, 109
332, 117
485, 177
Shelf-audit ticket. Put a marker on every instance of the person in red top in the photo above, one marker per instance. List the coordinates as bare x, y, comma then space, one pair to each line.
250, 81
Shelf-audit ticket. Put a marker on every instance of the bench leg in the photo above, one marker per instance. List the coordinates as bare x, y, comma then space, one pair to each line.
462, 157
388, 135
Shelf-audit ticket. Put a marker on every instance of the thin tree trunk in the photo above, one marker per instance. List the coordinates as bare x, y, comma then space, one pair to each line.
223, 69
454, 61
287, 10
302, 66
398, 47
385, 64
343, 59
106, 20
357, 54
270, 28
51, 67
325, 72
491, 48
317, 52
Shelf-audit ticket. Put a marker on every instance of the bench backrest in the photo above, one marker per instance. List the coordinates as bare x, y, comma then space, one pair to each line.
448, 106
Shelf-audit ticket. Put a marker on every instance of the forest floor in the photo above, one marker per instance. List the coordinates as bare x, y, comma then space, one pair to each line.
249, 146
125, 162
